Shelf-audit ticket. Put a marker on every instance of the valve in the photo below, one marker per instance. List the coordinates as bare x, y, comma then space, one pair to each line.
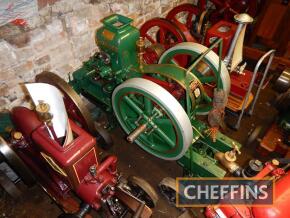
231, 155
104, 57
228, 159
241, 68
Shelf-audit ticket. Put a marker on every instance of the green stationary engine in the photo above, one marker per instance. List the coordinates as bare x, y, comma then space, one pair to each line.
115, 38
116, 61
156, 105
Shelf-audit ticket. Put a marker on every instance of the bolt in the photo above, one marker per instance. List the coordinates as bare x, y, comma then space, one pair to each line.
93, 170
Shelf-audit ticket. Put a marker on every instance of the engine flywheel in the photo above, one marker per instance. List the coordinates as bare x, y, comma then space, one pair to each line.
153, 118
207, 70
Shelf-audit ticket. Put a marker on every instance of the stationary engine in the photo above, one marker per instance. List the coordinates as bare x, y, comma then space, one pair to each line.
69, 165
279, 209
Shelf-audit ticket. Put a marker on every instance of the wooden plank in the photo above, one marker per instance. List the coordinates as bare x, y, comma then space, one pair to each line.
255, 54
271, 21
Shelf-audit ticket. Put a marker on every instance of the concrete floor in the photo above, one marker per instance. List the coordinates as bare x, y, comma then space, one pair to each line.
134, 161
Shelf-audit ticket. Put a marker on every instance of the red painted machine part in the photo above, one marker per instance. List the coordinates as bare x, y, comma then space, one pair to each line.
65, 155
25, 120
172, 88
168, 34
240, 83
91, 190
222, 29
280, 208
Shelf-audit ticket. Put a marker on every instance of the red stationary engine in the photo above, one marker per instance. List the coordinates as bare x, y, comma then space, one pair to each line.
71, 165
74, 168
279, 209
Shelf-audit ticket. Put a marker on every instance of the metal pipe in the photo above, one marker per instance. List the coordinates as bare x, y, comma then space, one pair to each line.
271, 53
242, 20
133, 135
229, 55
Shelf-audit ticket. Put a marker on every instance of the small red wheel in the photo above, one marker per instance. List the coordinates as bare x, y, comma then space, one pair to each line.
189, 11
159, 31
162, 31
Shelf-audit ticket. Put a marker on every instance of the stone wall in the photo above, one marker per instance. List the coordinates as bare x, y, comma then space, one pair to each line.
60, 38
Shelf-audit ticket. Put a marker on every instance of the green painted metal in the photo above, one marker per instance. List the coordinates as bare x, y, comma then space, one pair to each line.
197, 58
5, 124
199, 159
135, 107
115, 37
100, 75
197, 165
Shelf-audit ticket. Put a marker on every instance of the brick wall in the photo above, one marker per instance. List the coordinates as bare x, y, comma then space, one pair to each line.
60, 38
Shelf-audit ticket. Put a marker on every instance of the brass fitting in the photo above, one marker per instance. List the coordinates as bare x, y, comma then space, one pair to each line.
228, 158
16, 135
42, 110
140, 44
194, 85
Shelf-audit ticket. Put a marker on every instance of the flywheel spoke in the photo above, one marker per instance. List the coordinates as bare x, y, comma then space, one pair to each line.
133, 105
147, 36
207, 79
162, 35
163, 135
189, 19
207, 98
148, 106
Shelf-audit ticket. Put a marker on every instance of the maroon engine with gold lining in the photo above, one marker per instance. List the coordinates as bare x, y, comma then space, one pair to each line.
61, 169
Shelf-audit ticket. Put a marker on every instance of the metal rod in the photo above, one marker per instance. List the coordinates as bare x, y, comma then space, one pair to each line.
133, 135
220, 61
148, 106
139, 210
188, 105
229, 55
272, 53
204, 54
83, 211
237, 126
